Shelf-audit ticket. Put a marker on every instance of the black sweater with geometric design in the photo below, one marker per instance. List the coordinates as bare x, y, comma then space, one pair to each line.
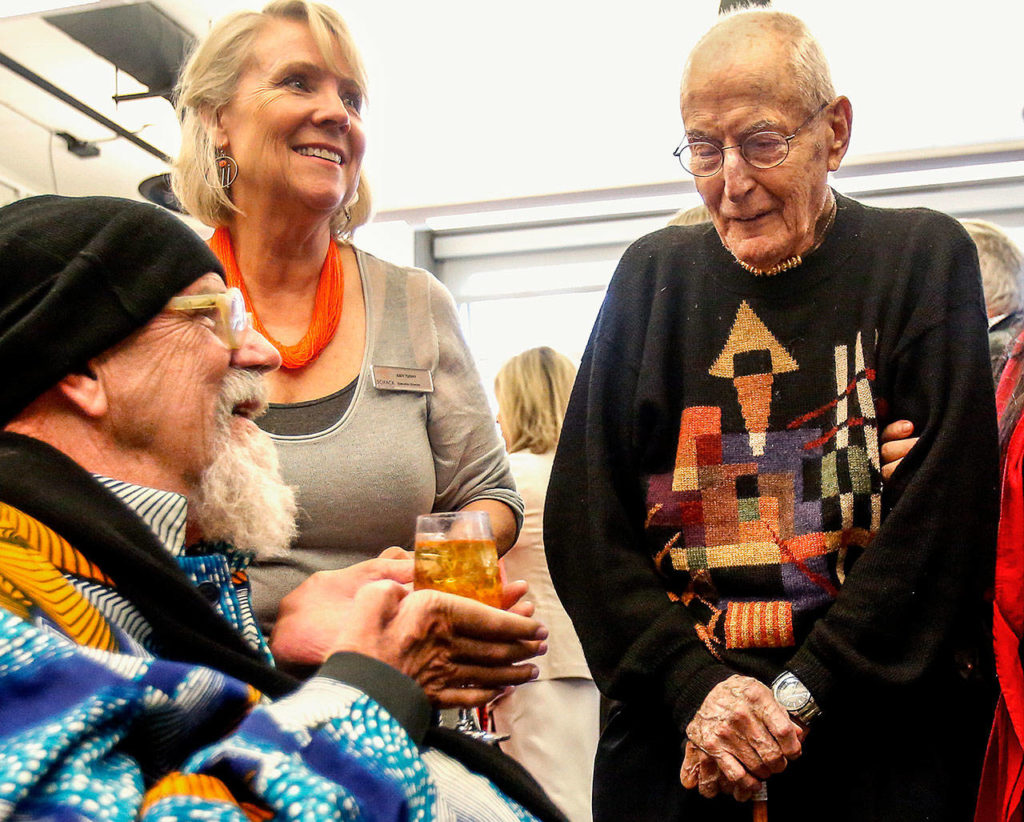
716, 504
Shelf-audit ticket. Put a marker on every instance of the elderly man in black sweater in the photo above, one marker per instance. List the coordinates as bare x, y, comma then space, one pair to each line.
769, 616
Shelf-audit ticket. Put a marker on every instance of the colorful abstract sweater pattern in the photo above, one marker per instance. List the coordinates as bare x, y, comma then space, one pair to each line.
716, 504
94, 725
754, 528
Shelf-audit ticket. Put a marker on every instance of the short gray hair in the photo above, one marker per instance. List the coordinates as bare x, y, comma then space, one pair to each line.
209, 80
1002, 266
806, 57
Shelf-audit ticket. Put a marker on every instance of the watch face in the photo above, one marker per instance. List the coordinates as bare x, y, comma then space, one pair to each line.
791, 694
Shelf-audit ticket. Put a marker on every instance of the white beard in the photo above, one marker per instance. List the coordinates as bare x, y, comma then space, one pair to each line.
242, 498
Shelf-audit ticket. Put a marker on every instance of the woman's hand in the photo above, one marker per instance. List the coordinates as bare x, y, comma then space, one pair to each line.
512, 593
896, 444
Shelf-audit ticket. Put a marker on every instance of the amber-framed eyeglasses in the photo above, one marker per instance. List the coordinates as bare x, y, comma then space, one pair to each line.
225, 310
765, 149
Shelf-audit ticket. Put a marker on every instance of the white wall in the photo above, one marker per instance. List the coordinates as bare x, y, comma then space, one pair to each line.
474, 101
494, 101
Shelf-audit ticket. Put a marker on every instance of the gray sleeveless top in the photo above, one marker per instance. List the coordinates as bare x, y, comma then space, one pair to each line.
392, 455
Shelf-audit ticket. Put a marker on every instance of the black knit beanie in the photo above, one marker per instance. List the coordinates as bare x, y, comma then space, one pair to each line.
77, 276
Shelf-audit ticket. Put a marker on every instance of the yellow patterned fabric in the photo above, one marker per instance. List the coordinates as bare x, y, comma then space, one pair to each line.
33, 564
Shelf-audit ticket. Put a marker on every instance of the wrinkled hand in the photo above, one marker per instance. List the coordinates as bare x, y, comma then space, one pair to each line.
739, 737
896, 444
461, 652
702, 772
309, 618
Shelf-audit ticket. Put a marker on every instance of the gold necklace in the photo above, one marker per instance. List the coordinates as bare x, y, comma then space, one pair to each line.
796, 259
785, 265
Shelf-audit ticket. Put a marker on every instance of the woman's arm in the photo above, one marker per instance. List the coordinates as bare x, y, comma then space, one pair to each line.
471, 466
503, 522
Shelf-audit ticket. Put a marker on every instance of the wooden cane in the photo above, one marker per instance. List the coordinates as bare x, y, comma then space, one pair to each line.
759, 803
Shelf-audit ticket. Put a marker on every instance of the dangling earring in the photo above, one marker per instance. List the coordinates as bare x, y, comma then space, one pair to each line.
227, 168
347, 209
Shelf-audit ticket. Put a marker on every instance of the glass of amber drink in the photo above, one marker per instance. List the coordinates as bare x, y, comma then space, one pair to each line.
455, 552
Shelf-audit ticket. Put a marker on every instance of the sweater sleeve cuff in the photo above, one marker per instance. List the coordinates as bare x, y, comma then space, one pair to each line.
510, 498
686, 689
393, 690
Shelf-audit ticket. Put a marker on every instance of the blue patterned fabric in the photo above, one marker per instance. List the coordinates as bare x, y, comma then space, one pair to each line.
113, 732
217, 569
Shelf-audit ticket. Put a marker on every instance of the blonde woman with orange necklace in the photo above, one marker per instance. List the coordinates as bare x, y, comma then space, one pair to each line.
378, 412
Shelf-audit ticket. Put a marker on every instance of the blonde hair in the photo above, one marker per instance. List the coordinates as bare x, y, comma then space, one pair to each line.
806, 58
209, 80
533, 391
695, 215
1002, 265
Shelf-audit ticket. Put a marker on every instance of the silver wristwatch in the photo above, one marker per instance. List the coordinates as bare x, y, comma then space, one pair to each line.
793, 695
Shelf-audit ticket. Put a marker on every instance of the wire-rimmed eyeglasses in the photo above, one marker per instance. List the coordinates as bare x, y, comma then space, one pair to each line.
765, 149
226, 311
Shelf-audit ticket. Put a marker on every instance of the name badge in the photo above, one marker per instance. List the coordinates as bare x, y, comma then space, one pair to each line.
386, 378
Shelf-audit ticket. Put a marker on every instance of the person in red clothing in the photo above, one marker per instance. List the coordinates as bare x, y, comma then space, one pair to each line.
1001, 795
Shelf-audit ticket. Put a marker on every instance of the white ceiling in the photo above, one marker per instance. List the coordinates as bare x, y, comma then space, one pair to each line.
475, 101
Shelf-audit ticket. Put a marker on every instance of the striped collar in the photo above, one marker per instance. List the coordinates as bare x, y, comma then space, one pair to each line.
163, 511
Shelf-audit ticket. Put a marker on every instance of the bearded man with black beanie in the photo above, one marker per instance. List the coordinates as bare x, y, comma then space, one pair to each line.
134, 490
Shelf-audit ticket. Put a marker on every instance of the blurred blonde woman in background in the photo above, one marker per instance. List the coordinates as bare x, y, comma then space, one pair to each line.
554, 720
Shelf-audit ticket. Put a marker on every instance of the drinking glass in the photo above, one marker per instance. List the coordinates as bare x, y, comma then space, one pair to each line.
455, 553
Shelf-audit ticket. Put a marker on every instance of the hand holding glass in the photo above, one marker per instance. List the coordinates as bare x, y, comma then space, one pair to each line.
456, 553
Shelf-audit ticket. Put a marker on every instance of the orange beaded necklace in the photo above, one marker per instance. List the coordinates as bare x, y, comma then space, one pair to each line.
326, 308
